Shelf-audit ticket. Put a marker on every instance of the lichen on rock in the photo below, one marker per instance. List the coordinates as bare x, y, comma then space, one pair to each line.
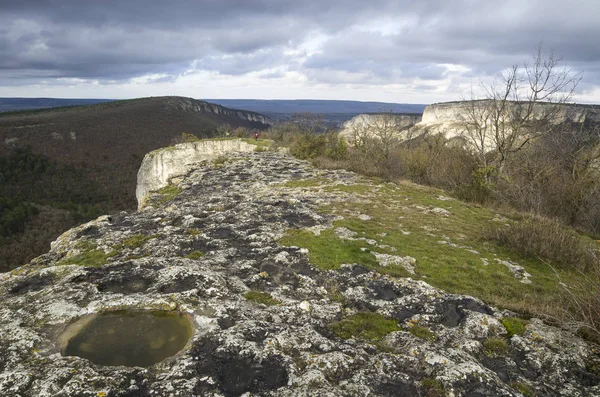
265, 317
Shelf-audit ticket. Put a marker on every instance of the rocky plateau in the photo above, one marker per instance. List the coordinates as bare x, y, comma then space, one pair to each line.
200, 244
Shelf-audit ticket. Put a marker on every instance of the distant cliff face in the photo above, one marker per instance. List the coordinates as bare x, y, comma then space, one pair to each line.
373, 125
451, 114
194, 105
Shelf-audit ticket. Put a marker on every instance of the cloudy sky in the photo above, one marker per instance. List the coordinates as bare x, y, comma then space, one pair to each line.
390, 50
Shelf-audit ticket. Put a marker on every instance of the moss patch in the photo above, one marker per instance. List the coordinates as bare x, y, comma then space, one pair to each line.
195, 255
422, 332
89, 256
432, 387
524, 389
167, 193
261, 297
137, 240
193, 232
368, 326
514, 325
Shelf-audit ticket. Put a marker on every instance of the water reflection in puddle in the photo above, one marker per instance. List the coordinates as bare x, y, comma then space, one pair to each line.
127, 337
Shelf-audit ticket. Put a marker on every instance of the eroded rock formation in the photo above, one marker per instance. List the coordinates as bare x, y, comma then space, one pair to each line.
201, 252
450, 118
372, 125
195, 105
163, 164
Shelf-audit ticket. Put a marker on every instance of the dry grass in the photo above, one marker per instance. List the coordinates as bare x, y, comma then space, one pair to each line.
549, 240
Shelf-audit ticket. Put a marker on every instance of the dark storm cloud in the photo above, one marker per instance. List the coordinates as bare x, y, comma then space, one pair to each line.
378, 41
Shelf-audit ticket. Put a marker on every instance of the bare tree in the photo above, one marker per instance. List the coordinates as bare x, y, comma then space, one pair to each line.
523, 105
380, 134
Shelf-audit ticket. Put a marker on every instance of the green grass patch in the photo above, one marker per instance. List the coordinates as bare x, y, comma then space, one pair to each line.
310, 182
368, 326
495, 346
261, 297
167, 193
195, 255
359, 188
259, 143
327, 251
514, 325
193, 232
452, 252
422, 332
89, 256
137, 240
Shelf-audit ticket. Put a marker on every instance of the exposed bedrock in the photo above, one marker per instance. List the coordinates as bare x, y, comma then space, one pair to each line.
162, 164
262, 313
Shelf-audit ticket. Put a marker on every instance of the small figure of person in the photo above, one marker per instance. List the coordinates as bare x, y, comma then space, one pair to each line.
256, 136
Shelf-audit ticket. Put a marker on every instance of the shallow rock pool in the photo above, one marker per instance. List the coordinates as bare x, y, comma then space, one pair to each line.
127, 337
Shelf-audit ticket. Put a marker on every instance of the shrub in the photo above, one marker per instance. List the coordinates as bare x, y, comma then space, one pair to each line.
495, 346
547, 239
581, 309
189, 137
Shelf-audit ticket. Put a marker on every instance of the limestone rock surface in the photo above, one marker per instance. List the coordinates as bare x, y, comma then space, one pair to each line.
201, 252
160, 165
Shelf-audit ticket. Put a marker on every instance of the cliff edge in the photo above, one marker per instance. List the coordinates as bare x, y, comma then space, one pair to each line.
271, 318
159, 166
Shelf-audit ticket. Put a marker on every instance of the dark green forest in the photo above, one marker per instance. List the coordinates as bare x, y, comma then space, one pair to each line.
62, 167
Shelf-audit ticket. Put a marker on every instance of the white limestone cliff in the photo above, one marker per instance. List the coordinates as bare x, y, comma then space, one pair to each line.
159, 166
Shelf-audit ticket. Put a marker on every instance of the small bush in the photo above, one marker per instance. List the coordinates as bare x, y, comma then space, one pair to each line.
548, 240
189, 137
369, 326
581, 308
514, 325
261, 297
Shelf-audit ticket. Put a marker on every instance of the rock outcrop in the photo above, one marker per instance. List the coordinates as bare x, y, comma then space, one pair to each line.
451, 112
203, 248
373, 124
195, 105
449, 118
159, 166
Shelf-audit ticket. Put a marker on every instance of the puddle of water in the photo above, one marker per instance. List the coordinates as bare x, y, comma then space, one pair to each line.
127, 337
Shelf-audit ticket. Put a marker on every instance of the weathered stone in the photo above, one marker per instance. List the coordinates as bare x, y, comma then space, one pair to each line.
239, 346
